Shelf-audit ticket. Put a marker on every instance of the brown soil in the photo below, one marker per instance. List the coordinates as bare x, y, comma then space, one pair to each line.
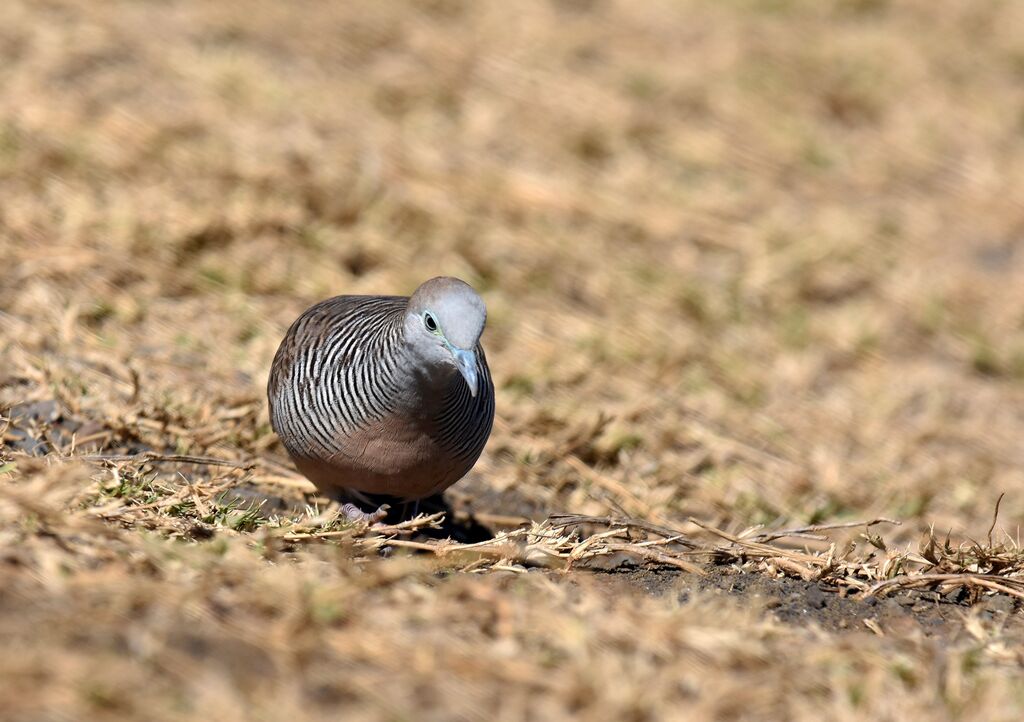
799, 602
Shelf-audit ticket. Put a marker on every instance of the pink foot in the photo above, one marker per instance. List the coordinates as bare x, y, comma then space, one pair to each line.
356, 515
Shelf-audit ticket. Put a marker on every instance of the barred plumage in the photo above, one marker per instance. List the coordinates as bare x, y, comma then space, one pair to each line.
367, 397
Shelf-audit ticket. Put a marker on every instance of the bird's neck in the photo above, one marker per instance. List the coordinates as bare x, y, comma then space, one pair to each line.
428, 376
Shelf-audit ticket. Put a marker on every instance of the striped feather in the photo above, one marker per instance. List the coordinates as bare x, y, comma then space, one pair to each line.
341, 385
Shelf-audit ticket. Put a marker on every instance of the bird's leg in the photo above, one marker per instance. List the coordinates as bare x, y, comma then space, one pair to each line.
413, 505
356, 515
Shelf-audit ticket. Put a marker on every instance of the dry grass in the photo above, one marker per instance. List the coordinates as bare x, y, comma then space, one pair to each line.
755, 274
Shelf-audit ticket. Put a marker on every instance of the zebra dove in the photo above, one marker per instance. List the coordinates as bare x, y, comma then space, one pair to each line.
385, 395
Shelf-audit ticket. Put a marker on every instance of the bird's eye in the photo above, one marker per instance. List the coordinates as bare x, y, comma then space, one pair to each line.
429, 322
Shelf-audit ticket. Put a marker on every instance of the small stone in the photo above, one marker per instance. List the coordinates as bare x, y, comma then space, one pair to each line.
611, 562
201, 532
815, 598
999, 603
955, 596
892, 606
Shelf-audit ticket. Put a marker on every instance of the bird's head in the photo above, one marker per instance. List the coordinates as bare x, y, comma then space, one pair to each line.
444, 321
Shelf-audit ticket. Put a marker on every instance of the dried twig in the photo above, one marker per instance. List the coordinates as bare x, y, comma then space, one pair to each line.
994, 582
152, 456
800, 531
995, 517
563, 520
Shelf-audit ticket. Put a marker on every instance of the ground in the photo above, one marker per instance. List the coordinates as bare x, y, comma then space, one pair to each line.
755, 281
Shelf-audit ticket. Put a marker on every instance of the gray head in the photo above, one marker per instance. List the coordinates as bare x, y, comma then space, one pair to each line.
444, 321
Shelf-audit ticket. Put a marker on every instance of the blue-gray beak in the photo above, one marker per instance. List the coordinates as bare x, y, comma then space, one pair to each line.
466, 361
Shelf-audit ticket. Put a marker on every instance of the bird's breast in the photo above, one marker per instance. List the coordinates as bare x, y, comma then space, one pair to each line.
399, 456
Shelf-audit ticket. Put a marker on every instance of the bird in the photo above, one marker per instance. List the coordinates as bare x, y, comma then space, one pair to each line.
385, 395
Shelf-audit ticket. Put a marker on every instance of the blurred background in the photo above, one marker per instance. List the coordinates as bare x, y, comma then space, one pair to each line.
751, 262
